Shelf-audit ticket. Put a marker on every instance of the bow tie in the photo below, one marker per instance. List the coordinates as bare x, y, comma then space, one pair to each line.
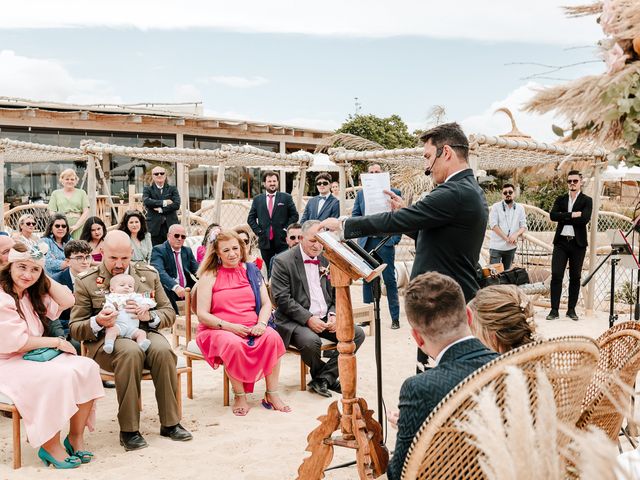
314, 262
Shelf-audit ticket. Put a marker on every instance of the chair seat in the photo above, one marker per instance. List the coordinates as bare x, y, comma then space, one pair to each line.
326, 345
5, 399
192, 347
180, 363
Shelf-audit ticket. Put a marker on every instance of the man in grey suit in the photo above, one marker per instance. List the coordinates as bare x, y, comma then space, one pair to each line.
305, 312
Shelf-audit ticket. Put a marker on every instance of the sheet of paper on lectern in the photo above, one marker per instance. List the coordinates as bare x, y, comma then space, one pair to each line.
345, 252
373, 187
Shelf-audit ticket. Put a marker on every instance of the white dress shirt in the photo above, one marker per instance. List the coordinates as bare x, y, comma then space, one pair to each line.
441, 354
317, 305
567, 230
322, 201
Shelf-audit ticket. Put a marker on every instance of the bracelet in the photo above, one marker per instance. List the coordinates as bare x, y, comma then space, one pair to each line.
262, 323
59, 343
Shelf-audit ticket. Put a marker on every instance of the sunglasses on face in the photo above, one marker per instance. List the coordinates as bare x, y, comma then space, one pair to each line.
30, 224
294, 237
84, 258
570, 181
178, 236
322, 184
508, 192
158, 174
60, 226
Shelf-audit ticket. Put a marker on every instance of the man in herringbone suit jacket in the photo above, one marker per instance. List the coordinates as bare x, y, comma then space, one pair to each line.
439, 324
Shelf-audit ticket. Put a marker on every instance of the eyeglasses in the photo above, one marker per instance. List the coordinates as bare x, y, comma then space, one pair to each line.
508, 192
31, 224
62, 225
322, 184
572, 180
84, 258
178, 236
295, 237
158, 174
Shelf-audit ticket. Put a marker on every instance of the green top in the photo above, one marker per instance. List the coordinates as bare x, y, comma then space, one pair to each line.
76, 204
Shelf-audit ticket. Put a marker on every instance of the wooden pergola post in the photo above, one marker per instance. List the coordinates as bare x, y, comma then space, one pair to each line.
218, 192
593, 234
302, 183
91, 183
342, 181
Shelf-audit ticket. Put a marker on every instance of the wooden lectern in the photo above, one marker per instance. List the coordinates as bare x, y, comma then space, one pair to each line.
358, 429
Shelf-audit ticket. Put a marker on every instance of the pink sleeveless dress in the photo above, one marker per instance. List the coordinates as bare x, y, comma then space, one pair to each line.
233, 301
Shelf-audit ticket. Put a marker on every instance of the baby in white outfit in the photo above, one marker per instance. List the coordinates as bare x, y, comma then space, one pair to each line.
122, 290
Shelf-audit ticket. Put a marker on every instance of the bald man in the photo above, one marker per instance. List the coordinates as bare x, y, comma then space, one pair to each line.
162, 202
89, 319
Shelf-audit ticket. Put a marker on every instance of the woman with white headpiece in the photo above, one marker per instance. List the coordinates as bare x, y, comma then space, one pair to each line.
49, 385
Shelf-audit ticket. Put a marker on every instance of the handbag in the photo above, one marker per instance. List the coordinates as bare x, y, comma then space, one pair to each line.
515, 276
42, 354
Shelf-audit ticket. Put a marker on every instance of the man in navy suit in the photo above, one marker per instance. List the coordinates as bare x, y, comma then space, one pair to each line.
439, 318
387, 253
176, 265
324, 205
162, 202
271, 213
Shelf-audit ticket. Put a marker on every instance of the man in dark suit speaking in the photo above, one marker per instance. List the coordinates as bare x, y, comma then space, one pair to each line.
162, 201
448, 225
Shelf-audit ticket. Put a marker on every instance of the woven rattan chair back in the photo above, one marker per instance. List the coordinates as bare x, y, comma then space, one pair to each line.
618, 365
441, 450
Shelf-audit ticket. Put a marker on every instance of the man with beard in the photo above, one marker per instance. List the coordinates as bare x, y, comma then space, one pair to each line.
507, 221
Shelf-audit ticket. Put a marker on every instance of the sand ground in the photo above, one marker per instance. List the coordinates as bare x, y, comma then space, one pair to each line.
262, 445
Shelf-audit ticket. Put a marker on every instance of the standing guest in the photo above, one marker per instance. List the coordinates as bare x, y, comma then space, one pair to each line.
209, 236
387, 254
89, 320
335, 189
439, 322
572, 211
324, 205
24, 234
6, 242
507, 222
72, 202
93, 232
162, 202
247, 238
448, 225
134, 224
48, 394
502, 318
175, 265
306, 310
56, 236
271, 213
233, 309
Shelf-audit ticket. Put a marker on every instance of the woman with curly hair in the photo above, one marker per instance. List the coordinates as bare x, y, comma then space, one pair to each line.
134, 224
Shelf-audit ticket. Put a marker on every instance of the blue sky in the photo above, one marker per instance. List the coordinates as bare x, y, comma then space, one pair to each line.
283, 75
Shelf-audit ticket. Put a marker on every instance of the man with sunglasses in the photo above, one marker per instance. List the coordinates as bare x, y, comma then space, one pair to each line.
294, 236
324, 205
176, 265
162, 202
572, 211
507, 222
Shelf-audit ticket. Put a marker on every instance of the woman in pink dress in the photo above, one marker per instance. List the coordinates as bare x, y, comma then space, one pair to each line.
233, 308
51, 393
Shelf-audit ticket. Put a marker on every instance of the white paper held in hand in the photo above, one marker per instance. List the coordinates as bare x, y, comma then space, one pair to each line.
373, 187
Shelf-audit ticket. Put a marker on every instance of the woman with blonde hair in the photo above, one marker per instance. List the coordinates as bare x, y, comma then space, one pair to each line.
24, 233
502, 318
72, 202
234, 309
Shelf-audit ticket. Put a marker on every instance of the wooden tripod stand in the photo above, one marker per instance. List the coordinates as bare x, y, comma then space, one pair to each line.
359, 430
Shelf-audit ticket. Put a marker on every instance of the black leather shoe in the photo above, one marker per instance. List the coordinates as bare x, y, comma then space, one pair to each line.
553, 315
177, 433
107, 384
336, 387
329, 353
572, 315
132, 441
395, 324
320, 386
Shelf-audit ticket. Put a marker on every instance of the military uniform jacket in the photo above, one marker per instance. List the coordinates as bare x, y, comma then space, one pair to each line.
90, 289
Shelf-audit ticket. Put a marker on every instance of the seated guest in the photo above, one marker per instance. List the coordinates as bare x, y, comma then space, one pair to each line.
502, 318
134, 224
56, 235
48, 394
439, 325
208, 238
6, 242
294, 235
324, 205
89, 319
175, 265
248, 242
306, 308
233, 309
93, 232
24, 233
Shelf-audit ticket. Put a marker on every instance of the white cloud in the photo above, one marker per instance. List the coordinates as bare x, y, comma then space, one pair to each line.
236, 81
541, 21
490, 123
44, 79
301, 122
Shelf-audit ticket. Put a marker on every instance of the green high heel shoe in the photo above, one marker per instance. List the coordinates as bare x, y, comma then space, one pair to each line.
47, 459
84, 455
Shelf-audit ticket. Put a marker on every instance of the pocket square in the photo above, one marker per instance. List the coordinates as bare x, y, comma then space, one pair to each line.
280, 204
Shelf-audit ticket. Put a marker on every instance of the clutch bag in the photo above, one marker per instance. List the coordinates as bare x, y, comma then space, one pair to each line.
42, 354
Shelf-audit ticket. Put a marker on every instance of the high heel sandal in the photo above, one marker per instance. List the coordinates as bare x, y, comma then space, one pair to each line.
240, 411
48, 459
270, 406
84, 455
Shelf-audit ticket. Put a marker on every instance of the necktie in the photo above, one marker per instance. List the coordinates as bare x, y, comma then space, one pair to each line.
313, 262
180, 272
270, 208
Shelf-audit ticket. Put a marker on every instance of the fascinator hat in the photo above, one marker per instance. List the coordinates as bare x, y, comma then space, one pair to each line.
35, 254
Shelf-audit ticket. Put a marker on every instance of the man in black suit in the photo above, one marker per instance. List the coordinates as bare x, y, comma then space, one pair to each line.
271, 213
305, 307
572, 212
438, 317
162, 201
324, 205
176, 265
448, 225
